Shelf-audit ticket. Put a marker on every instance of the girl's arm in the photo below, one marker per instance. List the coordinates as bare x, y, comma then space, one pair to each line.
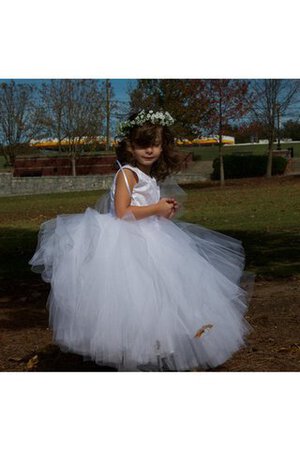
122, 199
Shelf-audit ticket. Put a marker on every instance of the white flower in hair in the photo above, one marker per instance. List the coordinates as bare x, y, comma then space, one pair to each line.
159, 118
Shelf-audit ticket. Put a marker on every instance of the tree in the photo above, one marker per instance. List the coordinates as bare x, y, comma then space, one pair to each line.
145, 95
83, 115
52, 95
246, 131
272, 98
18, 115
113, 107
291, 130
229, 101
74, 110
184, 99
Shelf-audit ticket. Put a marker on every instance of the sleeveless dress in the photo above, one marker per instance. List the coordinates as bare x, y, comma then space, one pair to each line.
149, 294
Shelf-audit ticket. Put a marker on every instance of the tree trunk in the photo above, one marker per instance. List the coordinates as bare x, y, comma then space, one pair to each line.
107, 115
270, 156
12, 155
6, 156
73, 165
222, 173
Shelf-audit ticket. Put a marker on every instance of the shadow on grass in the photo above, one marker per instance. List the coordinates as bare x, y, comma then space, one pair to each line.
269, 254
52, 359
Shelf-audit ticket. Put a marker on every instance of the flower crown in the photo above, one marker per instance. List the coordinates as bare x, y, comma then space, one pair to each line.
159, 118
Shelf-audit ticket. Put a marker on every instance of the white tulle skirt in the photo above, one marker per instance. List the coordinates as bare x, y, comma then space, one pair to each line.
150, 294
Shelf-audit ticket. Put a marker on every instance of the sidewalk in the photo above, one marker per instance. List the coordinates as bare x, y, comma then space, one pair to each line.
293, 167
202, 168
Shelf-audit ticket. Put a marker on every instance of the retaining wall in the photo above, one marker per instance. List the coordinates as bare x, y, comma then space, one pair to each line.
10, 185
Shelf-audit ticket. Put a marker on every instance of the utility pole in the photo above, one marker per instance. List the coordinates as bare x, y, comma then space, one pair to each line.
278, 128
107, 115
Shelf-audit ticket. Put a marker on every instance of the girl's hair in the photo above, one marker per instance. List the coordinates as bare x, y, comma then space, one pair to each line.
142, 136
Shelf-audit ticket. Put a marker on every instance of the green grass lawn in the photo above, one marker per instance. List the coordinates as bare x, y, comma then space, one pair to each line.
264, 214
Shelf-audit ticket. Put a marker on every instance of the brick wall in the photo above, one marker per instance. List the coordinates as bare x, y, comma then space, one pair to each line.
37, 166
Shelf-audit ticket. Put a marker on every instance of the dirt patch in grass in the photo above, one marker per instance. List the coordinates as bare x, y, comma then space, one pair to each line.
274, 313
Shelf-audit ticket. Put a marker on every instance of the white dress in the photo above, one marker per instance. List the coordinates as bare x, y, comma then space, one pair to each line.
148, 294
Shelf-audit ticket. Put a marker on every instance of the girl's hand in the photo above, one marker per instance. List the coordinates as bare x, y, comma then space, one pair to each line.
167, 207
174, 208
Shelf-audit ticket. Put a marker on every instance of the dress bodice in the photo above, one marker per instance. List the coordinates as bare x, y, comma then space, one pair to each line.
145, 192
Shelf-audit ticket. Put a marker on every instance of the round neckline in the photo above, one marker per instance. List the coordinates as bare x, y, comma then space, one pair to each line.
135, 167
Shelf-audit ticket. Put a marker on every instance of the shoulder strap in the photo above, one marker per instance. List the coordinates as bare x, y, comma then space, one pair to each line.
125, 178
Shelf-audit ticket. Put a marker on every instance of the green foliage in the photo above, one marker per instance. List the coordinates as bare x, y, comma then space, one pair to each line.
291, 130
247, 166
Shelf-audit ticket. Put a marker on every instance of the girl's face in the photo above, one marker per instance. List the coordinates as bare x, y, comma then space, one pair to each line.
146, 156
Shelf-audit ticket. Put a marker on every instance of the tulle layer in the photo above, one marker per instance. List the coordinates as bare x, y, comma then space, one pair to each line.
143, 293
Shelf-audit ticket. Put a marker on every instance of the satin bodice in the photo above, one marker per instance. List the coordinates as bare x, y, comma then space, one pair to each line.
145, 192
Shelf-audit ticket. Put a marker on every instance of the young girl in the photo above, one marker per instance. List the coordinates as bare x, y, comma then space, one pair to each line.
131, 286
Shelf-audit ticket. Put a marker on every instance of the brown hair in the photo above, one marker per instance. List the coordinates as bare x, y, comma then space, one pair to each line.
170, 161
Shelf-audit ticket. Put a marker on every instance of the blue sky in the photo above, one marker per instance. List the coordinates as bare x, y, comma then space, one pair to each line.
120, 88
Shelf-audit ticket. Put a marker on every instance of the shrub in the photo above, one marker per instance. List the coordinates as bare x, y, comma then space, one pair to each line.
244, 166
197, 157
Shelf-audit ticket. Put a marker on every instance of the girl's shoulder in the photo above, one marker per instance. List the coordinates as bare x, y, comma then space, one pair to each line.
139, 176
125, 174
132, 168
127, 169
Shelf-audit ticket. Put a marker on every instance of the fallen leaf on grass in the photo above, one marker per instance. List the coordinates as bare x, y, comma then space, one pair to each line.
32, 362
291, 349
295, 348
15, 359
283, 350
202, 330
